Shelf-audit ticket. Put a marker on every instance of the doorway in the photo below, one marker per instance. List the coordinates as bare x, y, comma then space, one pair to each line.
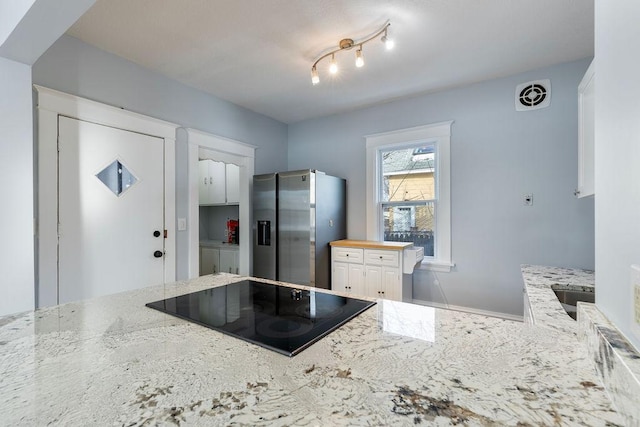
203, 146
56, 282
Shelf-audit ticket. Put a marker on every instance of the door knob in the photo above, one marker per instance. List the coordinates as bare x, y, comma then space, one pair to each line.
156, 233
158, 254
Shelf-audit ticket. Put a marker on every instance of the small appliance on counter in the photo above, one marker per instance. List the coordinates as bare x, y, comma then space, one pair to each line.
232, 232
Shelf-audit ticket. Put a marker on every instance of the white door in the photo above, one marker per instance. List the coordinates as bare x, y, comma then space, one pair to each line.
111, 210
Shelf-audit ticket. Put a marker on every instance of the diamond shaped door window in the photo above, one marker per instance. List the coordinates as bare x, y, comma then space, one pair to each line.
117, 177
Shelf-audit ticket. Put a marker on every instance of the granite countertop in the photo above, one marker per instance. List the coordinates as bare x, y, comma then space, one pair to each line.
219, 245
112, 361
545, 308
616, 361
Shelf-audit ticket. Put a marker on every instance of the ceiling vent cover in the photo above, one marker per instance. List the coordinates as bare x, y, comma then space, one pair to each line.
533, 95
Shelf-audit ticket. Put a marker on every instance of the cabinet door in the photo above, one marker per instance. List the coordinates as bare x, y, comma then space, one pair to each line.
233, 183
340, 277
203, 185
391, 284
229, 261
356, 280
373, 281
217, 187
586, 134
209, 261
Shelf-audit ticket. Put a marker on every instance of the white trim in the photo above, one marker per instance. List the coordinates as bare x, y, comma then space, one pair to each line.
440, 133
442, 267
489, 313
52, 103
96, 112
231, 151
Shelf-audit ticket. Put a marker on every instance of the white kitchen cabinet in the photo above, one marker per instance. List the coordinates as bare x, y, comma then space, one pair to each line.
348, 278
209, 260
375, 273
383, 282
229, 261
212, 187
233, 183
586, 134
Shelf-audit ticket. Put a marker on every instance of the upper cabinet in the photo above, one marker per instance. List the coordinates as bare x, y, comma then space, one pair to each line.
219, 183
586, 134
233, 183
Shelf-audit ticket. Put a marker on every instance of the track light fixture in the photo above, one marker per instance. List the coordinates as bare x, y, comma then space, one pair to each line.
346, 44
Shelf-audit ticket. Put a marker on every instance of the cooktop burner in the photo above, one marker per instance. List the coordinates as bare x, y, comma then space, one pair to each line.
283, 319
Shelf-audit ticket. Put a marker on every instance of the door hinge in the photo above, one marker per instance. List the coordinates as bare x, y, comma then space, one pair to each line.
165, 234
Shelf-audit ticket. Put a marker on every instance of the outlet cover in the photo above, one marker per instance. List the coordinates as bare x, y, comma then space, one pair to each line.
635, 300
528, 199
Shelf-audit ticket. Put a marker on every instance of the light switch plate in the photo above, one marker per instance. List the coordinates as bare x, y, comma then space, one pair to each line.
635, 300
182, 224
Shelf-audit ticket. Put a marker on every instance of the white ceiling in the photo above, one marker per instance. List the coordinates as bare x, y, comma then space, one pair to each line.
258, 53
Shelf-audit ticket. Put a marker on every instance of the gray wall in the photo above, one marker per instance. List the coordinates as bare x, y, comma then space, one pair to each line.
75, 67
498, 155
16, 175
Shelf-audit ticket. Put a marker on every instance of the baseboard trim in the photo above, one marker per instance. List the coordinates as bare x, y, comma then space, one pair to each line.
489, 313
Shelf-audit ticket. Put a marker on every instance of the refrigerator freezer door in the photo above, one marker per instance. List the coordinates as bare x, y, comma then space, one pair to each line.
264, 226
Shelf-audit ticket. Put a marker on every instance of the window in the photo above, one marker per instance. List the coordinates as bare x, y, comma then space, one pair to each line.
408, 194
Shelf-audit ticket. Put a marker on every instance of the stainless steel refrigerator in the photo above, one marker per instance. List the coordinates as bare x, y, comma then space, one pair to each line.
295, 216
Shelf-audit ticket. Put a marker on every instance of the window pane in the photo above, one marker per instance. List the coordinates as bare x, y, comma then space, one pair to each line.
408, 174
410, 224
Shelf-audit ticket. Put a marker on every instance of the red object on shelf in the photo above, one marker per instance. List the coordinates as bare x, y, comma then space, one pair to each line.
232, 231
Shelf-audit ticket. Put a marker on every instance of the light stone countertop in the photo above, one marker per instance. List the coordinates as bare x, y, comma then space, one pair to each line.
113, 361
613, 357
545, 308
219, 245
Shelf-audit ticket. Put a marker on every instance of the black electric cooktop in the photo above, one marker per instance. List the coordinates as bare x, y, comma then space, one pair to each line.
279, 318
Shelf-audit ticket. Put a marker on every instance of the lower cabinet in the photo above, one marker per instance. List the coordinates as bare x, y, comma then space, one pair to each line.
209, 261
383, 282
229, 261
214, 260
366, 272
348, 278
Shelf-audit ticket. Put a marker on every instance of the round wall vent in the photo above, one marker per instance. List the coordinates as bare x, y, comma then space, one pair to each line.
533, 95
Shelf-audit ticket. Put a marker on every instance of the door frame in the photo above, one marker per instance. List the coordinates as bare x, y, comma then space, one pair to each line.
51, 104
228, 151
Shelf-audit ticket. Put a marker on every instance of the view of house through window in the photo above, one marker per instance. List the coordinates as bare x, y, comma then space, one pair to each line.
408, 199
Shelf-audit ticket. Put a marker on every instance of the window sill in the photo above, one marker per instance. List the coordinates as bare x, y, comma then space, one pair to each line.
436, 265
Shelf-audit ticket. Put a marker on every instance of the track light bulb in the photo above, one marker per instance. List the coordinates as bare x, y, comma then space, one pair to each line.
315, 78
359, 58
333, 67
388, 42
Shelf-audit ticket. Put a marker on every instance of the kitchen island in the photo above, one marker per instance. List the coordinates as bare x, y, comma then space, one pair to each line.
113, 361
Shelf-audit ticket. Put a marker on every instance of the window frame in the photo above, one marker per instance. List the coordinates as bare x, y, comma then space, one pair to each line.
438, 134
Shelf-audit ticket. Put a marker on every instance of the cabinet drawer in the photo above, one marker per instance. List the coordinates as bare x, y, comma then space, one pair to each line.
388, 258
352, 255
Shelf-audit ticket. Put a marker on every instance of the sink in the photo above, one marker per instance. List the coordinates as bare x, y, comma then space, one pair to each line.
569, 299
